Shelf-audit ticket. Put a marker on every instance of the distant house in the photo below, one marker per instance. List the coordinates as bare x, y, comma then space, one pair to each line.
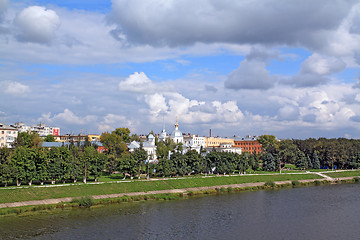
8, 135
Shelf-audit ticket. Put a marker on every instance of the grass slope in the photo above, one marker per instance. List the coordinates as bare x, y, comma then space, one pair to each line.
39, 193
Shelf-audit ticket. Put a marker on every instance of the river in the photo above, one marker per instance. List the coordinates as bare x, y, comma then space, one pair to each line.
321, 212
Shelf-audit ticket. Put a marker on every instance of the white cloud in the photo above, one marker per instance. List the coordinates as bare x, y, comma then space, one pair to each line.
68, 117
322, 65
37, 24
137, 82
16, 88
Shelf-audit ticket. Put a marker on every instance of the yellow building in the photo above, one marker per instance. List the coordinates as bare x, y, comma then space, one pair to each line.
216, 142
94, 137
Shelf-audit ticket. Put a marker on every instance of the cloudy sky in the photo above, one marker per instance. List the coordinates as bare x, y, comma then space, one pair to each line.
287, 68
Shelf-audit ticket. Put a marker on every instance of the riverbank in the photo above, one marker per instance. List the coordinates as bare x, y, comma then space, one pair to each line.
198, 186
22, 194
67, 204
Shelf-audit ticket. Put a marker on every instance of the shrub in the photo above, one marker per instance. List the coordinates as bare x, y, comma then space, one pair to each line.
83, 201
230, 189
222, 189
295, 183
356, 179
270, 184
317, 183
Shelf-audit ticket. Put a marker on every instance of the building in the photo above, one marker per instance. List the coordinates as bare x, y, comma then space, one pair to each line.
194, 142
177, 135
148, 146
249, 144
71, 138
94, 137
8, 135
217, 141
41, 129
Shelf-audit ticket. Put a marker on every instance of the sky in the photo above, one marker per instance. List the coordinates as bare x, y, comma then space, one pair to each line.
253, 67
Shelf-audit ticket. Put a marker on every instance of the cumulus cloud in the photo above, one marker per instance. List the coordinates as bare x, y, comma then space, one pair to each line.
37, 24
280, 22
138, 83
16, 88
306, 80
68, 117
322, 65
250, 75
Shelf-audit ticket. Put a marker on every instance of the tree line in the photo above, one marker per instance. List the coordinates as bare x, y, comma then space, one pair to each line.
28, 161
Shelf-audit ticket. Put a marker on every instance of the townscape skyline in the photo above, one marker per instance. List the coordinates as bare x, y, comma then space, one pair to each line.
289, 69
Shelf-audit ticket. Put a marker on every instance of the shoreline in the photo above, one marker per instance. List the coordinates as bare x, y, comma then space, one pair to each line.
36, 204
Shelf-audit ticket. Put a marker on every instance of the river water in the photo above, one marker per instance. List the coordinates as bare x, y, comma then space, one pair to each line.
322, 212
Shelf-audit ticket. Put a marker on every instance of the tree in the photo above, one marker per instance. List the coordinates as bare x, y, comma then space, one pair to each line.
309, 163
315, 161
124, 133
113, 143
49, 138
96, 161
28, 140
24, 165
287, 151
269, 162
195, 161
268, 142
6, 167
301, 161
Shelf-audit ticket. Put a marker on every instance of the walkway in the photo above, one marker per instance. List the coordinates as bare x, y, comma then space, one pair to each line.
325, 176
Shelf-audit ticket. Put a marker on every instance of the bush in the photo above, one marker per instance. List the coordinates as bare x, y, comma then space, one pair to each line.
295, 183
270, 184
83, 201
356, 179
317, 183
230, 189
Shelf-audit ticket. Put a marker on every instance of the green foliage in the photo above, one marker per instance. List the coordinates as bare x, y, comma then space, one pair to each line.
295, 183
49, 138
301, 160
268, 143
270, 184
315, 161
269, 162
86, 202
28, 140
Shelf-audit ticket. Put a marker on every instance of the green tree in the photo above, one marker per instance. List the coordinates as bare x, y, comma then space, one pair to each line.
268, 142
195, 161
309, 163
269, 162
124, 133
114, 143
28, 140
96, 161
6, 167
49, 138
315, 161
301, 161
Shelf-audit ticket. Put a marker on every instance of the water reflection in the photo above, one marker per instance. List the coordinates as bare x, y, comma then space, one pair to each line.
324, 212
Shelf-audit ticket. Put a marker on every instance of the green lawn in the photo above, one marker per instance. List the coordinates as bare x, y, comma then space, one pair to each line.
38, 193
343, 174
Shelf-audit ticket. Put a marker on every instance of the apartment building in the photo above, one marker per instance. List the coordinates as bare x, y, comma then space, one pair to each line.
8, 135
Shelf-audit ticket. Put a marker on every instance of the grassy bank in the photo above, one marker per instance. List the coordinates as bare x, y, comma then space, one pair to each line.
39, 193
343, 174
54, 208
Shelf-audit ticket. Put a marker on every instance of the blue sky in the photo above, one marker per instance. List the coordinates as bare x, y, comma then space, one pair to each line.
239, 68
